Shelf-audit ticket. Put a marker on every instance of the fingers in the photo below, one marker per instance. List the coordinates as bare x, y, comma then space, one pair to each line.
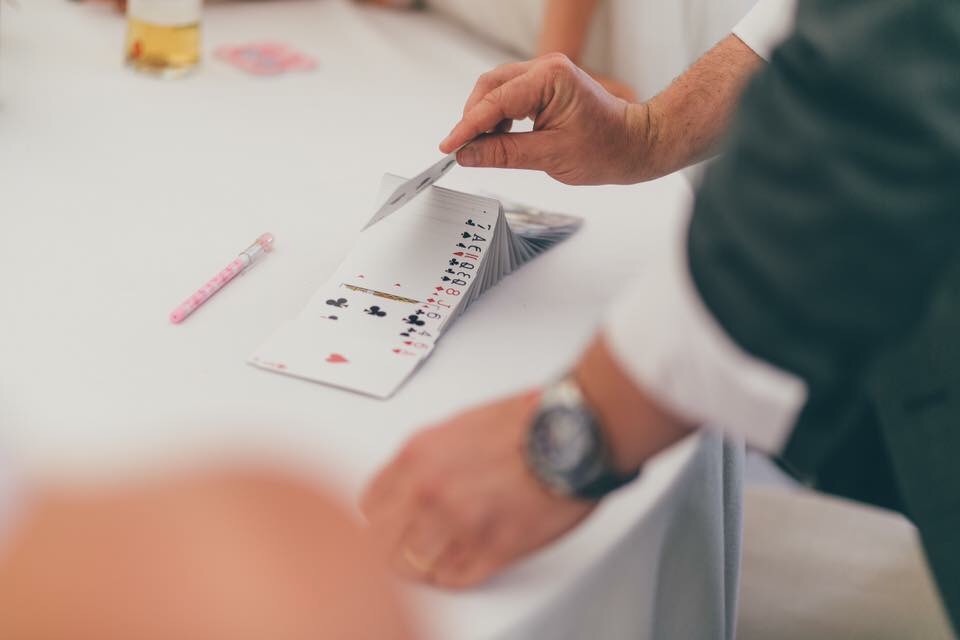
493, 79
531, 150
382, 491
427, 538
514, 100
386, 506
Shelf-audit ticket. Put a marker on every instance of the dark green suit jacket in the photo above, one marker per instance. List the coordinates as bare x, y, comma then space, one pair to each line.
826, 242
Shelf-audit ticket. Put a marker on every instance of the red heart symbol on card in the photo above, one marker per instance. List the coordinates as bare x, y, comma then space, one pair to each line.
396, 350
336, 358
459, 253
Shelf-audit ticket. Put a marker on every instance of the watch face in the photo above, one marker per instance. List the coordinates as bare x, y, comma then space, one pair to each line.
565, 440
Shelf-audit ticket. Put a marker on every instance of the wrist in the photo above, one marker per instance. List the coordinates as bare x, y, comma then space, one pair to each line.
646, 151
633, 424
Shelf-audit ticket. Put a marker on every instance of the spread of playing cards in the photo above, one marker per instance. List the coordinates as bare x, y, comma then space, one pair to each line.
426, 254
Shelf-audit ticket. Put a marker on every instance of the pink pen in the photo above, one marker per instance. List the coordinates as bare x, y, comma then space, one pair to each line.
244, 261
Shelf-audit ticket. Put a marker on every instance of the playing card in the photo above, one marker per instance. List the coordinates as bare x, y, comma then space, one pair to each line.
405, 280
409, 254
382, 317
410, 189
334, 354
265, 58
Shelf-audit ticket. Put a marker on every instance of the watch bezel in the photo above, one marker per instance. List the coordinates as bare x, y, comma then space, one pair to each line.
594, 476
570, 479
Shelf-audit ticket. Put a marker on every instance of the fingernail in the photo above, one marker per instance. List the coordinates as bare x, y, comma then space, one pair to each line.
468, 157
445, 141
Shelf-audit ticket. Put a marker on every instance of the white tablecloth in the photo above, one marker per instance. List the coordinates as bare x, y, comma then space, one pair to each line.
120, 194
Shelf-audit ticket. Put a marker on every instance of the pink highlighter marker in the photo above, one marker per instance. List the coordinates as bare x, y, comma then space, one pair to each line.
244, 261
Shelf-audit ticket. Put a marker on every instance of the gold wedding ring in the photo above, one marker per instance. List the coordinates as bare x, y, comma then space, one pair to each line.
416, 562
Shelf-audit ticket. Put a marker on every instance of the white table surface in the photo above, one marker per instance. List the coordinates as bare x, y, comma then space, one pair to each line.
120, 194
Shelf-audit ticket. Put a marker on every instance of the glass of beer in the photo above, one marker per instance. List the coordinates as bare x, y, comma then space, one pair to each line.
163, 36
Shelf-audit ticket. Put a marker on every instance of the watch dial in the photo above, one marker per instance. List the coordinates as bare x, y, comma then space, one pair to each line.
567, 440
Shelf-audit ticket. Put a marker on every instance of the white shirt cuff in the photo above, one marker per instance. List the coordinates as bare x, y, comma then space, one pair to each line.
767, 25
667, 340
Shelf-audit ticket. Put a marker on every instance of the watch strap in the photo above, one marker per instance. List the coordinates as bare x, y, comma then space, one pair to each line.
604, 484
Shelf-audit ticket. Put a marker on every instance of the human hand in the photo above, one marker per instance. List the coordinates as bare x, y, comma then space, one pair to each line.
615, 87
581, 135
459, 503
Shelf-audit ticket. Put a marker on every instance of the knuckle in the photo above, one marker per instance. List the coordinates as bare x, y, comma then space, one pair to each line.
558, 63
501, 152
493, 97
504, 152
556, 59
432, 493
485, 79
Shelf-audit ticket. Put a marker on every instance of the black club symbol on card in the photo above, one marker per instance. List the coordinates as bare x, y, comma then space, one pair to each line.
453, 262
375, 311
339, 303
414, 320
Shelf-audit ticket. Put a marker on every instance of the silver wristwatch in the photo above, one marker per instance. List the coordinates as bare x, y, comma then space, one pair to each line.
566, 448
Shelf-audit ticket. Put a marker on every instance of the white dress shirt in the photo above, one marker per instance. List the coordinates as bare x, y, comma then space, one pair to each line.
767, 25
664, 336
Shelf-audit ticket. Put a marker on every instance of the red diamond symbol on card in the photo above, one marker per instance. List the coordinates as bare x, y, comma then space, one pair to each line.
336, 358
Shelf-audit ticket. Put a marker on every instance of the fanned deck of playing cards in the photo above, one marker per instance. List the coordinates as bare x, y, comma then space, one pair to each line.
411, 273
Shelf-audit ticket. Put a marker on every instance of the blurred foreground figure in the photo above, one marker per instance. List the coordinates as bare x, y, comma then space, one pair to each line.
214, 556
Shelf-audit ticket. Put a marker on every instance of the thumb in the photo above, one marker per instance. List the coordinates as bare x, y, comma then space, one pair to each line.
529, 150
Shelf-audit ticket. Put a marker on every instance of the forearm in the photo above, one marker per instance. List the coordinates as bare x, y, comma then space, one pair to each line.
807, 257
635, 426
683, 125
565, 26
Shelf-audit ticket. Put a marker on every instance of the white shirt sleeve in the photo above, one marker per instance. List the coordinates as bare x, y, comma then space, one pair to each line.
767, 25
667, 340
